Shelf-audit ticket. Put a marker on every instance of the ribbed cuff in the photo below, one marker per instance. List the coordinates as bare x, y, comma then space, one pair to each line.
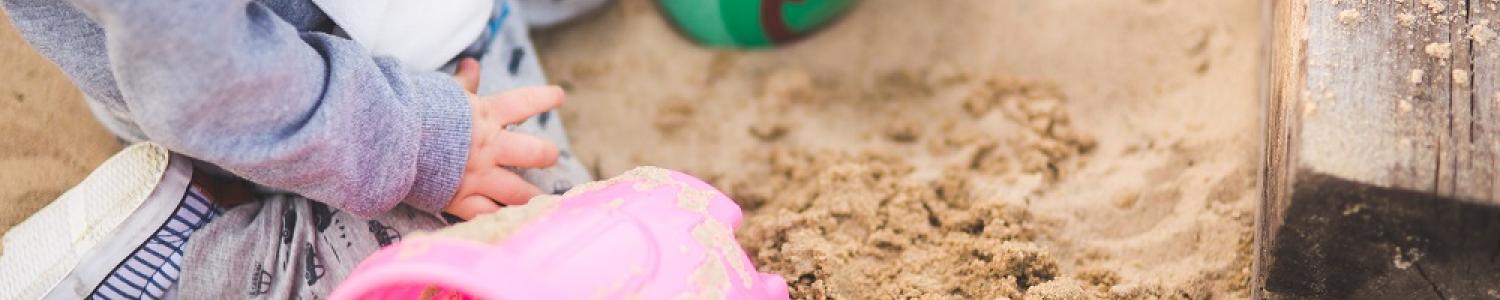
444, 150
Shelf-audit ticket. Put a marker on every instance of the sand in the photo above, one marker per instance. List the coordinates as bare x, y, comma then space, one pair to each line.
975, 149
48, 139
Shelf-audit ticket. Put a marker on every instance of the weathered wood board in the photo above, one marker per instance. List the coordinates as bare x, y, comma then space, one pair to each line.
1382, 155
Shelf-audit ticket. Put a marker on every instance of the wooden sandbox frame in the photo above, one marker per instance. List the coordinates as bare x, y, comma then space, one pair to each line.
1381, 175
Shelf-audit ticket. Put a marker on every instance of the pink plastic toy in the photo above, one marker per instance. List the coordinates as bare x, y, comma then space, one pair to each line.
648, 234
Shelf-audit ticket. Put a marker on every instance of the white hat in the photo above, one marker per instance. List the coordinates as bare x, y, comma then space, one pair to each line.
424, 35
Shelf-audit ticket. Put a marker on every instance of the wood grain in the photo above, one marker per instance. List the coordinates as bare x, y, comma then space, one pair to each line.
1287, 69
1381, 151
1477, 163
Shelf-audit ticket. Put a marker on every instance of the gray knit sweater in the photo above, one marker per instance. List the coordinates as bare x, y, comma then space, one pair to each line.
261, 89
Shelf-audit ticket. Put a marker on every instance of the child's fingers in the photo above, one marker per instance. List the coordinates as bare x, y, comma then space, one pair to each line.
467, 74
520, 150
506, 187
469, 207
517, 105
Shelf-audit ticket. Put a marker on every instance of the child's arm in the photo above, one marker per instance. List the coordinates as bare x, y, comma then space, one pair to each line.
69, 39
229, 82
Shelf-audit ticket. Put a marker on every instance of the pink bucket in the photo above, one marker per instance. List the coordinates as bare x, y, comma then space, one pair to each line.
650, 234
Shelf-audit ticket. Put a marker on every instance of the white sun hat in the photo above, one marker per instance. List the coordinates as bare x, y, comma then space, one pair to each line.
422, 34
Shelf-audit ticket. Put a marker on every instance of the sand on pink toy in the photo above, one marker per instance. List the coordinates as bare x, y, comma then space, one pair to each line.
650, 234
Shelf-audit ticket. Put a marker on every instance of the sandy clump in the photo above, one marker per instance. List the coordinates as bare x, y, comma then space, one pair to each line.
1349, 16
842, 224
858, 227
1481, 33
1061, 289
854, 226
1439, 50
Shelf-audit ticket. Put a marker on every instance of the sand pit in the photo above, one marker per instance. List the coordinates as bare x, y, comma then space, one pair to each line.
975, 149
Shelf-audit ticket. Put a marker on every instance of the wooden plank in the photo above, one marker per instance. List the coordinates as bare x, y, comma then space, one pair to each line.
1479, 164
1381, 150
1361, 115
1287, 69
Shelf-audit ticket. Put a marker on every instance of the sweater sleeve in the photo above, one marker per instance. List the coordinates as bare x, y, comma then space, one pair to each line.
230, 83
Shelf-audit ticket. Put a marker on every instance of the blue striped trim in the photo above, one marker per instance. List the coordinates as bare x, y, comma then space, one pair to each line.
154, 266
491, 30
499, 20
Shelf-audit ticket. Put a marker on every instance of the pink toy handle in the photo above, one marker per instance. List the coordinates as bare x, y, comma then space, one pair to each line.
397, 280
650, 234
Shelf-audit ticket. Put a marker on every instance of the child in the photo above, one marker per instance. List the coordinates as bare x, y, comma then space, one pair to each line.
309, 149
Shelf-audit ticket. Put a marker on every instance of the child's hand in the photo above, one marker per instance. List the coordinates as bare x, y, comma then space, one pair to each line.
486, 181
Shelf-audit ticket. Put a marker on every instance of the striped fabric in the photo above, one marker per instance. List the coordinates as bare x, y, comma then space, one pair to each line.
151, 270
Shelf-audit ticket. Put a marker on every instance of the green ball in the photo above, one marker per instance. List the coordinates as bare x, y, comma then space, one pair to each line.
751, 23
